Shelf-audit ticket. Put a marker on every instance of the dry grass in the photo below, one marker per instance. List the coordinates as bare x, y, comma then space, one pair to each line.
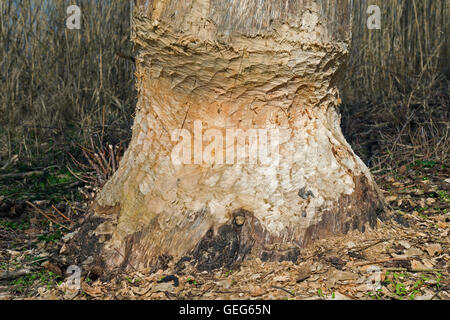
405, 61
59, 87
396, 87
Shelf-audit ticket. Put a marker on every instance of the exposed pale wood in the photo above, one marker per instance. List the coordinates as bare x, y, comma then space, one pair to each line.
271, 64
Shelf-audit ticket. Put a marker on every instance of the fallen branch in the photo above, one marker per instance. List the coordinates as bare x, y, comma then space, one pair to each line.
414, 270
20, 175
380, 261
9, 275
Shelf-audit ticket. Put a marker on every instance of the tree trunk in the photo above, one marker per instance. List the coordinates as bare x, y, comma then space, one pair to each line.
191, 186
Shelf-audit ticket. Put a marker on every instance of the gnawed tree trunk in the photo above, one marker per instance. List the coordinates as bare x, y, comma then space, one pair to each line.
226, 65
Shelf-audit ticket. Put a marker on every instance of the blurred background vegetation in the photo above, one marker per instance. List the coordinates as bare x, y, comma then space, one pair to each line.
63, 88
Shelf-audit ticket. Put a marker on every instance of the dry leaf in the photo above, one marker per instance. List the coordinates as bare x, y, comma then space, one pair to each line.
391, 198
433, 249
256, 291
141, 290
162, 287
303, 273
93, 292
411, 252
417, 265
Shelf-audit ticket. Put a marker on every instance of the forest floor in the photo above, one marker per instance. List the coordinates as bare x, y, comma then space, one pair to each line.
405, 257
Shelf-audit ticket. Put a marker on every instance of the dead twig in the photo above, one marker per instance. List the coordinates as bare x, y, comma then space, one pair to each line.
45, 215
59, 212
76, 175
285, 290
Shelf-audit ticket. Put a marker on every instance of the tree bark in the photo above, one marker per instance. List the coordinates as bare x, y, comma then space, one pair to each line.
210, 67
